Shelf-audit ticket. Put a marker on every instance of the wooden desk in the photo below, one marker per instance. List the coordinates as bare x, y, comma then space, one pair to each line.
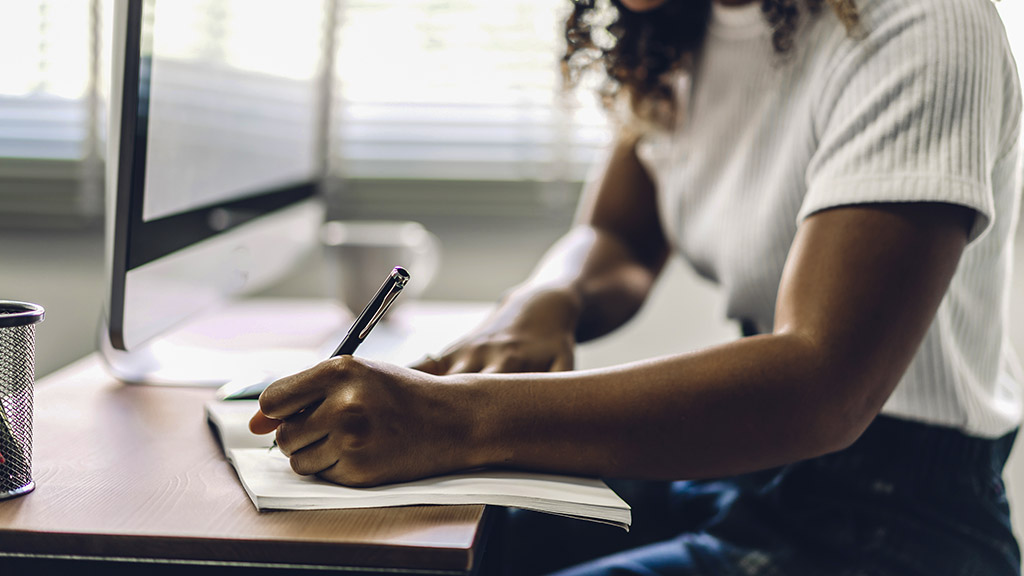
134, 474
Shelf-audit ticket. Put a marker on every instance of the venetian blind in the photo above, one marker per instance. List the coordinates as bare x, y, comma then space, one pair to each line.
51, 116
457, 90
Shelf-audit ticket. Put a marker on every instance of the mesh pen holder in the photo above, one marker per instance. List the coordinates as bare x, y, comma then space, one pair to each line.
17, 378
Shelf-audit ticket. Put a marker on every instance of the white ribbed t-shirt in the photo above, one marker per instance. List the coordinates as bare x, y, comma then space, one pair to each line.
923, 105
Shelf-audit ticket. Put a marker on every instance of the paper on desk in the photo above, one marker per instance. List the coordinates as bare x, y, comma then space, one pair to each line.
271, 484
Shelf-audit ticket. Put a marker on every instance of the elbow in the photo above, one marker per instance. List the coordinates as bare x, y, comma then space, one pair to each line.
843, 419
845, 396
843, 431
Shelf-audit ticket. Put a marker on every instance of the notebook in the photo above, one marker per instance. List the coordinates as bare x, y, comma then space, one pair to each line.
272, 485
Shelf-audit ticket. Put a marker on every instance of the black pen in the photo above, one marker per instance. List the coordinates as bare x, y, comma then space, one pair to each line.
373, 311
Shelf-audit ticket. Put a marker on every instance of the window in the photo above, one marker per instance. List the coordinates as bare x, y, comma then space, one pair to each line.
455, 108
425, 90
459, 90
51, 117
434, 103
42, 91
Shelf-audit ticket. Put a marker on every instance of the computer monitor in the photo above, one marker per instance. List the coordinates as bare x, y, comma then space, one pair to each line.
214, 164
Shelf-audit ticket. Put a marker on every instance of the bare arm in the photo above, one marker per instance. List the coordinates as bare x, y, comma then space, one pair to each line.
590, 282
859, 290
610, 259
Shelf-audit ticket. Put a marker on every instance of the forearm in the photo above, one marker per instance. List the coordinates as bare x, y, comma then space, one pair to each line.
858, 294
597, 281
603, 269
748, 405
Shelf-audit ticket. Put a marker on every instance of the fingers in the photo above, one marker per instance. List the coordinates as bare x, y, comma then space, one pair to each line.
465, 364
260, 423
431, 365
507, 363
300, 431
451, 364
291, 394
563, 363
335, 453
347, 475
313, 458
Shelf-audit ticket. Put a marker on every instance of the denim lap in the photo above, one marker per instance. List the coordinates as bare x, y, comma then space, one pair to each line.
906, 499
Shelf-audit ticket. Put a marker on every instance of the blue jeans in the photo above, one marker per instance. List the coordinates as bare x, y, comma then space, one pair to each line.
906, 499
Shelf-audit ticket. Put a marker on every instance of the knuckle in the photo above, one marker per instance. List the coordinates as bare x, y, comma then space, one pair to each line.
356, 470
511, 363
513, 349
270, 399
338, 367
301, 466
348, 400
282, 437
355, 429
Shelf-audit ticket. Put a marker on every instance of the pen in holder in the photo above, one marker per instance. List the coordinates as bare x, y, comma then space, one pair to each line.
17, 380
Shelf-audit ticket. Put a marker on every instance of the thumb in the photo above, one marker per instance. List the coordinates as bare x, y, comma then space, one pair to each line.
260, 423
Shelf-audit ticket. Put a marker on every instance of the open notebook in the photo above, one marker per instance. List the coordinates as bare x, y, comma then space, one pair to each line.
272, 485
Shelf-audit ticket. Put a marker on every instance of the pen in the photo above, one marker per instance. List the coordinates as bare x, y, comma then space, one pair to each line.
371, 314
373, 311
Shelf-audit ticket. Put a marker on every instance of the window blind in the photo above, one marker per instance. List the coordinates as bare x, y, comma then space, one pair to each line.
457, 90
51, 112
423, 90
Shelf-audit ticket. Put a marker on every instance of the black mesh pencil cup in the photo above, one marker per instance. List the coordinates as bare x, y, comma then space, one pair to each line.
17, 378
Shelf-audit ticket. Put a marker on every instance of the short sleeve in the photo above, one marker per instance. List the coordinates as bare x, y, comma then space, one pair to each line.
915, 110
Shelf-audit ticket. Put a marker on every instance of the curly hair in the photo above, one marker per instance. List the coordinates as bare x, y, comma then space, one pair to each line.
639, 51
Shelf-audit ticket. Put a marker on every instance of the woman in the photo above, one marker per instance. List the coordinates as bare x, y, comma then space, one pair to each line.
849, 177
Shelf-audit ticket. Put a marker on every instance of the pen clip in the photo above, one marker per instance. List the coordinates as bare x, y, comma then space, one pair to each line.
388, 300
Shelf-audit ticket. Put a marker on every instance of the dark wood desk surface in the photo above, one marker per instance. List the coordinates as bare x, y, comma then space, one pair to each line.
134, 472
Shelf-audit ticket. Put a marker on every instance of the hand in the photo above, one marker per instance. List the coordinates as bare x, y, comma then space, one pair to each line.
526, 334
361, 423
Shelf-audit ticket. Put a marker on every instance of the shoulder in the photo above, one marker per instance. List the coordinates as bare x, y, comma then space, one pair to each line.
936, 31
944, 17
919, 106
939, 51
950, 26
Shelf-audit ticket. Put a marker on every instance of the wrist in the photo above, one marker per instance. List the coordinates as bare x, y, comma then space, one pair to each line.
463, 408
545, 307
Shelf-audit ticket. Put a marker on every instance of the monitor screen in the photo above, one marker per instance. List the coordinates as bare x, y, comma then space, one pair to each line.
214, 159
